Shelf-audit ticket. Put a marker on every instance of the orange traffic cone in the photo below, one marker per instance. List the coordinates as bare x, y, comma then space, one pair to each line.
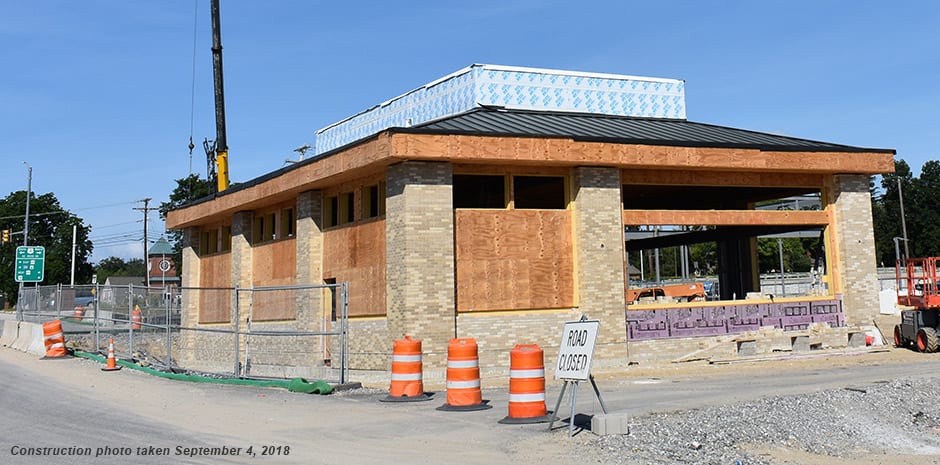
112, 364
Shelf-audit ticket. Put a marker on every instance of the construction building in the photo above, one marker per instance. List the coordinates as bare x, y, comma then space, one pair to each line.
493, 203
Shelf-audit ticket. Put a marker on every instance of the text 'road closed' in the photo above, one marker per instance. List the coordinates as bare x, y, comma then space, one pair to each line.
576, 349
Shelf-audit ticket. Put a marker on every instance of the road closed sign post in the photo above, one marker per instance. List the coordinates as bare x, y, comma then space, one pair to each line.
575, 353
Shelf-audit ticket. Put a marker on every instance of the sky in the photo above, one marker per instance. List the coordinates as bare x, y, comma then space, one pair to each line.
101, 98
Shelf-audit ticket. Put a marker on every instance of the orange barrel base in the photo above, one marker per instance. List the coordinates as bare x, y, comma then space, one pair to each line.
54, 340
463, 377
407, 384
526, 386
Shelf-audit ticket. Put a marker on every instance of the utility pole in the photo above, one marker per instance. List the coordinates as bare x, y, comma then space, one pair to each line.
29, 193
74, 244
907, 251
146, 209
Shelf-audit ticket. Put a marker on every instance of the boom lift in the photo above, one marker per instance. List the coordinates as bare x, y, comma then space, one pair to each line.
917, 291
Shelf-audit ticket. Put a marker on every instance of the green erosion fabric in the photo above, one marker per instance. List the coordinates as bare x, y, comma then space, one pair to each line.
293, 385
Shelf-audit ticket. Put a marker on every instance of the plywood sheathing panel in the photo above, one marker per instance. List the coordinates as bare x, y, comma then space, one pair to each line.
357, 254
274, 264
726, 217
215, 298
514, 259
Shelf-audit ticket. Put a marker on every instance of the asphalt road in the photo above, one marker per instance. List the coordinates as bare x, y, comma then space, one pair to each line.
37, 412
71, 403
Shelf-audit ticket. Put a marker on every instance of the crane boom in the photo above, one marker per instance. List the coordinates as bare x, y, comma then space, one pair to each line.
221, 145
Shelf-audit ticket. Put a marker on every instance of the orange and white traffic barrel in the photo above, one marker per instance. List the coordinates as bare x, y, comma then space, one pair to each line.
135, 317
463, 376
526, 385
407, 383
79, 313
54, 339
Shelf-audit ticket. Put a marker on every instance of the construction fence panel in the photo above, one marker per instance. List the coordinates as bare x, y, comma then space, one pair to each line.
294, 331
260, 332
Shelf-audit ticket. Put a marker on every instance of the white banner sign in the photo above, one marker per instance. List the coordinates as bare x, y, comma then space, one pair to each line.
576, 350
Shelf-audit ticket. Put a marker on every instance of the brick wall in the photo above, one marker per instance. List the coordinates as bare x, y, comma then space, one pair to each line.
420, 271
310, 307
856, 248
189, 311
599, 245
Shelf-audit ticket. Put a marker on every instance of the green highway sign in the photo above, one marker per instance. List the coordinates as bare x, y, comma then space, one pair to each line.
30, 264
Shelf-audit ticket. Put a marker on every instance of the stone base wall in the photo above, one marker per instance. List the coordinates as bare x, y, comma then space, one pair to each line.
205, 351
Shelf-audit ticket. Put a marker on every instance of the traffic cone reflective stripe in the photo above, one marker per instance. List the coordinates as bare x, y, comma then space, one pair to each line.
463, 376
407, 384
526, 385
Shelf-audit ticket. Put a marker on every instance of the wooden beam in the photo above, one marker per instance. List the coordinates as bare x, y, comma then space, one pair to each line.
387, 148
345, 165
726, 217
567, 152
720, 178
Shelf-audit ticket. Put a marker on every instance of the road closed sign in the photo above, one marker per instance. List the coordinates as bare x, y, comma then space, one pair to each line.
576, 350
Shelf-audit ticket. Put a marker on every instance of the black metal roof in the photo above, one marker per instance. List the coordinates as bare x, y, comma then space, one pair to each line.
489, 121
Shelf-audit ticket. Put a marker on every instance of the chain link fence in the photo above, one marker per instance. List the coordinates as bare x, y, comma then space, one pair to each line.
258, 332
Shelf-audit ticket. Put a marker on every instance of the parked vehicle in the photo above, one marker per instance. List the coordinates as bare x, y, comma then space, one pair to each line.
685, 292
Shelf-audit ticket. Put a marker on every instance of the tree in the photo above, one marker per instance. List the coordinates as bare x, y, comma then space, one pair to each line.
115, 266
795, 257
924, 206
886, 211
50, 226
188, 190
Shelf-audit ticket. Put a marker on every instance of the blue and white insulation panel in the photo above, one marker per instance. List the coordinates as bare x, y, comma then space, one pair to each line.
515, 88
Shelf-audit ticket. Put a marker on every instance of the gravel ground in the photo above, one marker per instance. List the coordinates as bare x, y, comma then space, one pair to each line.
897, 418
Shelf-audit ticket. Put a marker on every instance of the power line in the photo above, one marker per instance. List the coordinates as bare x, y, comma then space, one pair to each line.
16, 217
